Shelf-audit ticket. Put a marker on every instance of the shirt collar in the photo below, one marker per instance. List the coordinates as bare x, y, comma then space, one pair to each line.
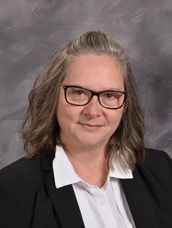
64, 173
118, 171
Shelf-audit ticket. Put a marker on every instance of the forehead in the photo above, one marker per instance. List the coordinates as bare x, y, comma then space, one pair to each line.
98, 59
94, 68
95, 71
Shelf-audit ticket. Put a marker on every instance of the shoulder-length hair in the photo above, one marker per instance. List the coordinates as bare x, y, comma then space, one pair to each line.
40, 131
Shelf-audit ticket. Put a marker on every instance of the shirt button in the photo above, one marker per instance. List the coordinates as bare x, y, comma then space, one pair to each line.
102, 203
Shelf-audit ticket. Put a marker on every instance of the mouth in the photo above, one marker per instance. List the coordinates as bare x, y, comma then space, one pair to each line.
90, 127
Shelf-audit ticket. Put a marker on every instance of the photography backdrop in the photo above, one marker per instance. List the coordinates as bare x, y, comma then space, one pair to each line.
31, 31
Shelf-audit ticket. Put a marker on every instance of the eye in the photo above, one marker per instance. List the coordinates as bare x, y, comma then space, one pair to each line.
110, 95
77, 91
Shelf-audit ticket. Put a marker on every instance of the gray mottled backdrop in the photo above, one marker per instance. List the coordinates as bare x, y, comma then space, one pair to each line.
31, 30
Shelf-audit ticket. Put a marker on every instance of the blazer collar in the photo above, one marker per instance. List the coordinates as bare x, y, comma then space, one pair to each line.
66, 207
63, 199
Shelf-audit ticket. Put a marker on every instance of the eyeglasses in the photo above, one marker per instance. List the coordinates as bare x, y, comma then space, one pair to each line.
79, 96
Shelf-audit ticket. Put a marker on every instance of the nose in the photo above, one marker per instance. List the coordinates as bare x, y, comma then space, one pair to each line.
93, 108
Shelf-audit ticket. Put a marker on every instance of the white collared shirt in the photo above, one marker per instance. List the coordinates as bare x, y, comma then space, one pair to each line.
104, 207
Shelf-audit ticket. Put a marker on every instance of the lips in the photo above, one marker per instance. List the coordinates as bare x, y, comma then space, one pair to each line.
91, 126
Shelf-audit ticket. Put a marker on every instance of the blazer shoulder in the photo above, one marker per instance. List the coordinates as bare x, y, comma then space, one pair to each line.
157, 165
157, 158
22, 194
22, 171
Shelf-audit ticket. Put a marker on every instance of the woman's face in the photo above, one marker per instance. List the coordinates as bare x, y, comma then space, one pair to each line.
91, 125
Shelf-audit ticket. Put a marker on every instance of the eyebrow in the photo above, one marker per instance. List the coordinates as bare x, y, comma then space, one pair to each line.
109, 89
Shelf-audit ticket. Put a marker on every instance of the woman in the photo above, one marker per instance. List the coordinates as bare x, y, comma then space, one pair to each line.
87, 165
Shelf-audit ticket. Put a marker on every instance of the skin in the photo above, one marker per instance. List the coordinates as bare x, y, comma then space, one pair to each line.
85, 130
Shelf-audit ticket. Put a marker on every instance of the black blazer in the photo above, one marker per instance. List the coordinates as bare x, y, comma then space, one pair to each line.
29, 199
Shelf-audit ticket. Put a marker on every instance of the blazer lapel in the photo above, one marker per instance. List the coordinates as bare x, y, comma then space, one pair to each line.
62, 199
139, 200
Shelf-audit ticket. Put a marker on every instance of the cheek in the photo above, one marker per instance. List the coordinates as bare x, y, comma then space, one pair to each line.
67, 114
115, 117
62, 115
62, 109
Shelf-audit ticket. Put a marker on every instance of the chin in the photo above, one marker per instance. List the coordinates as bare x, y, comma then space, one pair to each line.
91, 142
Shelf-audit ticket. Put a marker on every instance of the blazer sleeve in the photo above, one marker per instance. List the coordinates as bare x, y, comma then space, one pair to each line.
157, 174
9, 208
24, 202
17, 193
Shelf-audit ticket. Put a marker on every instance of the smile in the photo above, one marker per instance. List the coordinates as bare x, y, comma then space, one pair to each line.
90, 127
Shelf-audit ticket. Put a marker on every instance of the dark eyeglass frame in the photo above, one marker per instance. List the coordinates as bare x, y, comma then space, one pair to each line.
93, 93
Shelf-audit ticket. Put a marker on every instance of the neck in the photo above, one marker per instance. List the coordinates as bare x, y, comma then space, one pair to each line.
90, 164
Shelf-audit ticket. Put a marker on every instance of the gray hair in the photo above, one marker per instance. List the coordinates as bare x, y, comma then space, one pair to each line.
40, 127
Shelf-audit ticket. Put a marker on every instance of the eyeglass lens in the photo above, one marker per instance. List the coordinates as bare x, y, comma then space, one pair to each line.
81, 96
